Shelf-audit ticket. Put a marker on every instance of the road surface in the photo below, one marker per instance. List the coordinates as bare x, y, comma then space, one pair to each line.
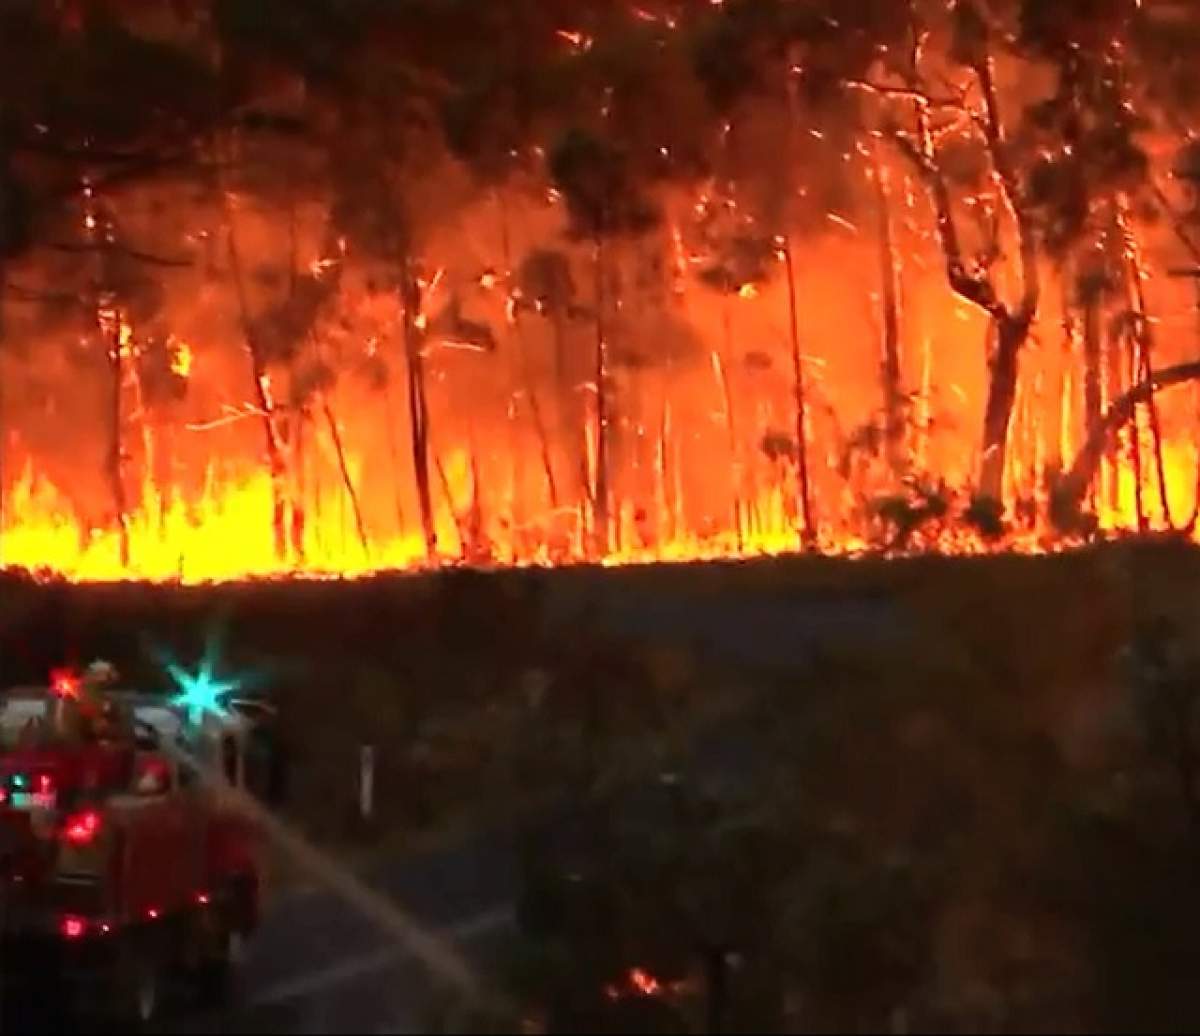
316, 966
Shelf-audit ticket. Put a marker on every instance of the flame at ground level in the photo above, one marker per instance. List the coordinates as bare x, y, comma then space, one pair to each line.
227, 534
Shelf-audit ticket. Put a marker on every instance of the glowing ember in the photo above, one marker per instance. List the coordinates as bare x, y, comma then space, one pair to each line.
644, 982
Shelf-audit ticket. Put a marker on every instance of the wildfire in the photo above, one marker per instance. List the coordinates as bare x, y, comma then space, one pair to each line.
639, 982
225, 534
181, 359
644, 982
806, 336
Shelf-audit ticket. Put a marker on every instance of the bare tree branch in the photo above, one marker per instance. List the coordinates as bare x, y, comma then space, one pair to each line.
993, 128
133, 253
1181, 232
907, 93
973, 289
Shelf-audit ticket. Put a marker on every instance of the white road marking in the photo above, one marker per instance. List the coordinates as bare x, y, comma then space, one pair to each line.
377, 960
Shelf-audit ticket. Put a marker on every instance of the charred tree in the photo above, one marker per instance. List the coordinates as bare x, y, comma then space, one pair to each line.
1073, 487
893, 388
1090, 293
721, 369
808, 530
522, 353
606, 201
335, 434
393, 443
972, 281
1142, 348
112, 328
418, 405
601, 524
259, 374
298, 414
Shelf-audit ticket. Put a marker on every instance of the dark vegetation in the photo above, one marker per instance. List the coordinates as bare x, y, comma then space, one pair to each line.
973, 809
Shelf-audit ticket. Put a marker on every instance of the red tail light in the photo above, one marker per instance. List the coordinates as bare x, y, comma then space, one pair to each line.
81, 828
45, 784
72, 927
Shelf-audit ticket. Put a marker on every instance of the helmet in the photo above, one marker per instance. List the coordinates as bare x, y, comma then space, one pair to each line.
100, 673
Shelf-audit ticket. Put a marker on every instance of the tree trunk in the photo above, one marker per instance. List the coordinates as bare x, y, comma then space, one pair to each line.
893, 391
480, 549
3, 408
535, 414
1002, 393
1071, 491
1135, 443
572, 417
418, 408
295, 428
535, 406
389, 411
459, 524
1011, 324
1194, 519
735, 452
716, 971
116, 447
600, 496
351, 493
1059, 448
276, 461
667, 516
808, 530
1093, 367
1143, 344
150, 483
299, 500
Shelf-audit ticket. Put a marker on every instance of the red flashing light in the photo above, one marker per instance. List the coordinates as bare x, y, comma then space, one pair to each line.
152, 913
65, 683
72, 927
202, 898
82, 827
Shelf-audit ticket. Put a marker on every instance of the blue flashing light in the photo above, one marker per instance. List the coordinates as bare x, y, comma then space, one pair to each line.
201, 693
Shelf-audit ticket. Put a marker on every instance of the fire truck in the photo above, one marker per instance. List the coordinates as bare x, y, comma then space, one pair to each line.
127, 869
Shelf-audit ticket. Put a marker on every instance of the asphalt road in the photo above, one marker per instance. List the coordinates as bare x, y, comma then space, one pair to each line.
318, 966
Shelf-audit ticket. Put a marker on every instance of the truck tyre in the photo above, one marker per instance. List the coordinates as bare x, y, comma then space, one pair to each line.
217, 980
137, 990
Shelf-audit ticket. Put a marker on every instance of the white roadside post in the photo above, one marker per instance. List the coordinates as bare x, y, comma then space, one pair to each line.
366, 782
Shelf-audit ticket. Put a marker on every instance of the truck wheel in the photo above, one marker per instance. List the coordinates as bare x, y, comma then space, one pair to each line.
218, 975
138, 991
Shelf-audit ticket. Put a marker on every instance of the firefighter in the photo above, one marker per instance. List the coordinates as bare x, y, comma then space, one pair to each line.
84, 712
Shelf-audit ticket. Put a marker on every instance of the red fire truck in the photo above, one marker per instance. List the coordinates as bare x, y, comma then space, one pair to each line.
126, 866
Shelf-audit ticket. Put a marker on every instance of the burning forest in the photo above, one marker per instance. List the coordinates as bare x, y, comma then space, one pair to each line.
330, 287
